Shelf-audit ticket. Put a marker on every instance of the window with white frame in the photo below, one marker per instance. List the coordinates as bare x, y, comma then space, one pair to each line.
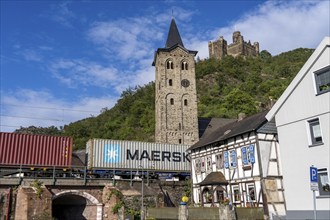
315, 131
219, 161
324, 185
248, 155
226, 159
198, 166
250, 192
209, 163
233, 158
322, 80
237, 196
202, 164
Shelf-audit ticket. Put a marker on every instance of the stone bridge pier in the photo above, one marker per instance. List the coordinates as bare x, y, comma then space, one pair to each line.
44, 199
65, 203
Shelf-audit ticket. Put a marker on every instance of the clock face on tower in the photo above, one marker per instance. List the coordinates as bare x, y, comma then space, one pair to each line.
185, 83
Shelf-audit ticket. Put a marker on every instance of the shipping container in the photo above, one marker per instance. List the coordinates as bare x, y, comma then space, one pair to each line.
35, 150
135, 155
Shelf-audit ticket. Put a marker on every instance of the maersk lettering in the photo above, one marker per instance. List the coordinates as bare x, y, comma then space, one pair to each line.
167, 155
186, 157
144, 155
157, 156
176, 156
129, 155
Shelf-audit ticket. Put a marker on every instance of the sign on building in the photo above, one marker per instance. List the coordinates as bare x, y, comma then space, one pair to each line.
313, 178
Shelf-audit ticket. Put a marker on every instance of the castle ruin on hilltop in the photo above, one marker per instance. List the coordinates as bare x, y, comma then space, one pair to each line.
219, 48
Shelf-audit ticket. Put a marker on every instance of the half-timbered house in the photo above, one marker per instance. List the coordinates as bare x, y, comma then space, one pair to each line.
239, 164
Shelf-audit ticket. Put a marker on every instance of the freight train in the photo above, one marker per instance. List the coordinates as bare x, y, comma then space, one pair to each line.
43, 155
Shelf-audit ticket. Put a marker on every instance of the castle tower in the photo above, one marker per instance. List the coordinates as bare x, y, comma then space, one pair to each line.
237, 37
218, 48
175, 86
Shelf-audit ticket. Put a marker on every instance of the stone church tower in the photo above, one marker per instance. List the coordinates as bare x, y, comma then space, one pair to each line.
175, 98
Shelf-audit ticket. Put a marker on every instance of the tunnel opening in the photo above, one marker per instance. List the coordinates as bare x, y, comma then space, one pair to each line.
71, 206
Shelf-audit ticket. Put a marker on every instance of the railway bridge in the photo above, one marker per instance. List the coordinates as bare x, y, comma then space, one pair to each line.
46, 198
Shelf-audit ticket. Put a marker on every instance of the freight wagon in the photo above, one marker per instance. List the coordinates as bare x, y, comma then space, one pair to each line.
35, 151
126, 157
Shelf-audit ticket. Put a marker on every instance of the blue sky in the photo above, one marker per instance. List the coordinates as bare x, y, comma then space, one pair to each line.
62, 61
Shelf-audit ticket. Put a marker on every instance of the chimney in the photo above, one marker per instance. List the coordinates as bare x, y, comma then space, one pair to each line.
241, 116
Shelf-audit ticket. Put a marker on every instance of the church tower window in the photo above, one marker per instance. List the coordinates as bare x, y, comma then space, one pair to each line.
172, 101
185, 102
170, 82
169, 65
184, 65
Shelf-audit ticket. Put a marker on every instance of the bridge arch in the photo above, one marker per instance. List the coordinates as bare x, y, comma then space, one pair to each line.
76, 195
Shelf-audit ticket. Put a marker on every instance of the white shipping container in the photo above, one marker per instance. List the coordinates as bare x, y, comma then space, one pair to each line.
135, 155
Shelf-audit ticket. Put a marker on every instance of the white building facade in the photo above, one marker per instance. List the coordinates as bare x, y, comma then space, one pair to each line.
302, 117
246, 154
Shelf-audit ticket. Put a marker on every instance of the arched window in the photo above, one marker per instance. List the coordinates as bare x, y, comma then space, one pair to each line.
170, 82
172, 101
184, 65
169, 64
185, 102
207, 196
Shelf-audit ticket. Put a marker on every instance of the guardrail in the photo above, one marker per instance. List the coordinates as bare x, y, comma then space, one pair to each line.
73, 176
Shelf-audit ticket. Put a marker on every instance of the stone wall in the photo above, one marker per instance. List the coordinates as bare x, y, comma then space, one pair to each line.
5, 194
219, 48
175, 104
32, 203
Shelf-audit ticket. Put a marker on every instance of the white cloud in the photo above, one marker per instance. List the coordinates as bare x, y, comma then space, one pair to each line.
39, 108
280, 26
62, 14
122, 39
200, 46
31, 55
80, 72
45, 48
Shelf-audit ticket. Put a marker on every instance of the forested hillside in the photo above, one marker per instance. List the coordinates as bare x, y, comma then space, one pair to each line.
224, 88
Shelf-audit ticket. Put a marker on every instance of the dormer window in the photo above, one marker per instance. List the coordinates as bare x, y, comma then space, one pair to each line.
169, 64
184, 65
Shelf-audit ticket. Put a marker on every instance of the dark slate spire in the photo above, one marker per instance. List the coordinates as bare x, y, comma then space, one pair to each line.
173, 37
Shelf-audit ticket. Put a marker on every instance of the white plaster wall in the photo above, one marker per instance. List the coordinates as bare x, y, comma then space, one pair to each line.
297, 157
303, 102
